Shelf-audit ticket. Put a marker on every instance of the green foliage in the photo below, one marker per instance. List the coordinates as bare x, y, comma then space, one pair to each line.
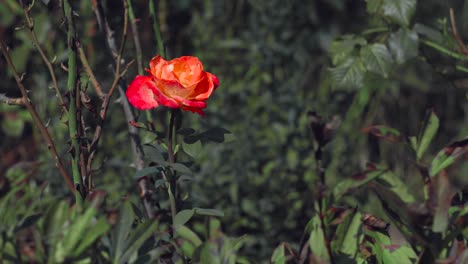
382, 64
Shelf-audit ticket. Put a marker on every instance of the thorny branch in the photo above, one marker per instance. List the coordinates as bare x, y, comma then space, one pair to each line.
129, 115
37, 120
30, 24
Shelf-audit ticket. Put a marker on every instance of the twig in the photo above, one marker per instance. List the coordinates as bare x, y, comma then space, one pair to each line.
30, 24
462, 45
73, 113
84, 61
37, 120
108, 96
136, 37
137, 149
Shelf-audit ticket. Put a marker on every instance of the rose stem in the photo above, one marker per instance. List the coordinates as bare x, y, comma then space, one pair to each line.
171, 188
37, 120
72, 113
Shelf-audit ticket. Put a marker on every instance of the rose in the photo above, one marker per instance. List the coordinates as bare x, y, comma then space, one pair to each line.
178, 83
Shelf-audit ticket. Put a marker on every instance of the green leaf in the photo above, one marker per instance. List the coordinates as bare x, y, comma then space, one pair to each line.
397, 186
403, 45
136, 239
352, 238
373, 6
347, 235
356, 181
279, 254
316, 240
194, 150
148, 170
154, 153
208, 212
448, 156
215, 134
183, 217
121, 231
186, 233
341, 50
377, 59
428, 131
348, 74
399, 11
179, 167
91, 235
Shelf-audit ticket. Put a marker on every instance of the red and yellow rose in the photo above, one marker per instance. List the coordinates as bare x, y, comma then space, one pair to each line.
178, 83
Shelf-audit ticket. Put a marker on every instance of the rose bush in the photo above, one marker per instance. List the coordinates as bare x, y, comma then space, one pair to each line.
178, 83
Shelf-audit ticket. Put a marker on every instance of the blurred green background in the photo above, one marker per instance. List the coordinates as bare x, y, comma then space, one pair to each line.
272, 59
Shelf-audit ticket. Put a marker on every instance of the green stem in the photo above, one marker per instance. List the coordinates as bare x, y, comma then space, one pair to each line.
72, 110
172, 181
136, 38
444, 50
157, 30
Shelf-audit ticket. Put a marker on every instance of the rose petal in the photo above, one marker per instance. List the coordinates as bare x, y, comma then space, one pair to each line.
165, 100
140, 93
190, 103
160, 68
171, 88
188, 70
193, 110
205, 88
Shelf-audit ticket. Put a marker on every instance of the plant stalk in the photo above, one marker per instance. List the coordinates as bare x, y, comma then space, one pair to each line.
72, 109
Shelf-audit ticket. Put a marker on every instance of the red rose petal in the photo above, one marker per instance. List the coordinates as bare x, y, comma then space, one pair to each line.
140, 93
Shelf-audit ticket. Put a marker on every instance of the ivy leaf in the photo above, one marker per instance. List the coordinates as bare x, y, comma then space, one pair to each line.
340, 50
399, 11
403, 45
349, 74
377, 59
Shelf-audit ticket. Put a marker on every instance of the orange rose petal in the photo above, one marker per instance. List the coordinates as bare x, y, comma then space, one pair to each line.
165, 100
140, 93
205, 89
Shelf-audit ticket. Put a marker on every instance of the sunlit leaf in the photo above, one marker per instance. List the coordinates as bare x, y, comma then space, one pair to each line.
279, 254
377, 59
400, 11
317, 240
349, 74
